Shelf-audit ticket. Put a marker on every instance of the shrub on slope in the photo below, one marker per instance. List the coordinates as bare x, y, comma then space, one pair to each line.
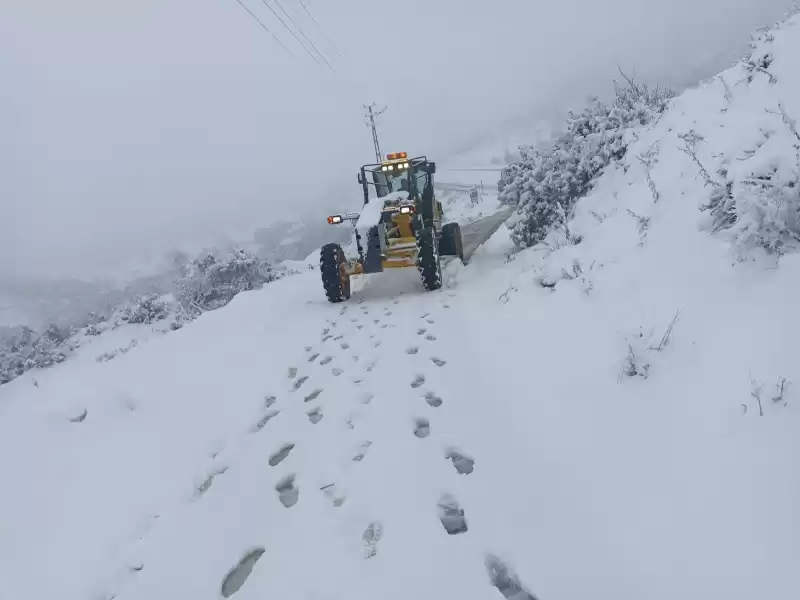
754, 198
206, 283
546, 183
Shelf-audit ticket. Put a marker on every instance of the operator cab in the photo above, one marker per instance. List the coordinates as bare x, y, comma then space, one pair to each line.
397, 173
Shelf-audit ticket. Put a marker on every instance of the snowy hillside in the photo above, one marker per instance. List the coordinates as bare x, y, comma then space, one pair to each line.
611, 414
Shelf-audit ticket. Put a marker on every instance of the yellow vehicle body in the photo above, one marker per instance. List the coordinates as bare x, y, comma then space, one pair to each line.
401, 246
405, 231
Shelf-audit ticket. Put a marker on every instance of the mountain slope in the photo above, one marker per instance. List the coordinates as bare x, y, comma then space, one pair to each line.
594, 409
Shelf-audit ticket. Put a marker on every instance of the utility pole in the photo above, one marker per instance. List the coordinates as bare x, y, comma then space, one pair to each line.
370, 122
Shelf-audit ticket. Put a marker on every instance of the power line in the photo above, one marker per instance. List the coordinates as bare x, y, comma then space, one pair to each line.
288, 16
267, 29
303, 4
277, 16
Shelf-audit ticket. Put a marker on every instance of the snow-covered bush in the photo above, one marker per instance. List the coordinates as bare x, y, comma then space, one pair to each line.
208, 283
545, 183
758, 204
205, 283
21, 349
144, 310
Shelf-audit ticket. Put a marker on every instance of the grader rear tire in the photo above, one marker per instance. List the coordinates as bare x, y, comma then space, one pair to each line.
332, 268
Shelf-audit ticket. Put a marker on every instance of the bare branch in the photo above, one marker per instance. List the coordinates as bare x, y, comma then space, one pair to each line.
780, 389
728, 93
755, 392
630, 81
665, 338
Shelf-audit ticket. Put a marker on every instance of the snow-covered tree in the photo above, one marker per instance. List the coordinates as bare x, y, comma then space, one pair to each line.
545, 183
209, 282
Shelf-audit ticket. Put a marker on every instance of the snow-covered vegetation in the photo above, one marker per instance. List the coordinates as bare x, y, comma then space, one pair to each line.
754, 197
205, 283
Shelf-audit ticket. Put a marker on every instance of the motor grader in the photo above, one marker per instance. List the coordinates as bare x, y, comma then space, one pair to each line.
400, 227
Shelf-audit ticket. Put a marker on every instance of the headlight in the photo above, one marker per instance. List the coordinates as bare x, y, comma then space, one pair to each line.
335, 219
390, 167
405, 209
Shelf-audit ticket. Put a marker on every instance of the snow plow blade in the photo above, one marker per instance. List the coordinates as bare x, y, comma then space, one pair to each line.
478, 232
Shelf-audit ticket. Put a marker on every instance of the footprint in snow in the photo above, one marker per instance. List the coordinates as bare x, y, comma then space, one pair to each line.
430, 337
462, 463
344, 345
446, 305
325, 331
505, 580
329, 490
430, 321
385, 326
327, 337
337, 371
337, 338
438, 362
372, 534
313, 357
204, 487
418, 381
362, 451
237, 576
376, 344
344, 310
371, 365
299, 382
367, 398
376, 321
421, 331
452, 515
326, 360
308, 348
388, 313
288, 494
269, 401
425, 316
263, 421
280, 455
359, 327
354, 320
433, 400
292, 372
315, 415
422, 427
412, 350
313, 395
80, 418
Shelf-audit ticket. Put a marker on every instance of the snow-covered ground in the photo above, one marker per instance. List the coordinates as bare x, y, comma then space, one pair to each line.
544, 423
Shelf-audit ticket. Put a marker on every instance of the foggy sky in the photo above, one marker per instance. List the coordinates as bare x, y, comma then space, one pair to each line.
133, 126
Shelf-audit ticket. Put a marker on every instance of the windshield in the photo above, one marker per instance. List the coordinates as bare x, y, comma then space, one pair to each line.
380, 181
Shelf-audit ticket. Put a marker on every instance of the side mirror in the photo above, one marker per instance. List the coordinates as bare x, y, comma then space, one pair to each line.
431, 168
